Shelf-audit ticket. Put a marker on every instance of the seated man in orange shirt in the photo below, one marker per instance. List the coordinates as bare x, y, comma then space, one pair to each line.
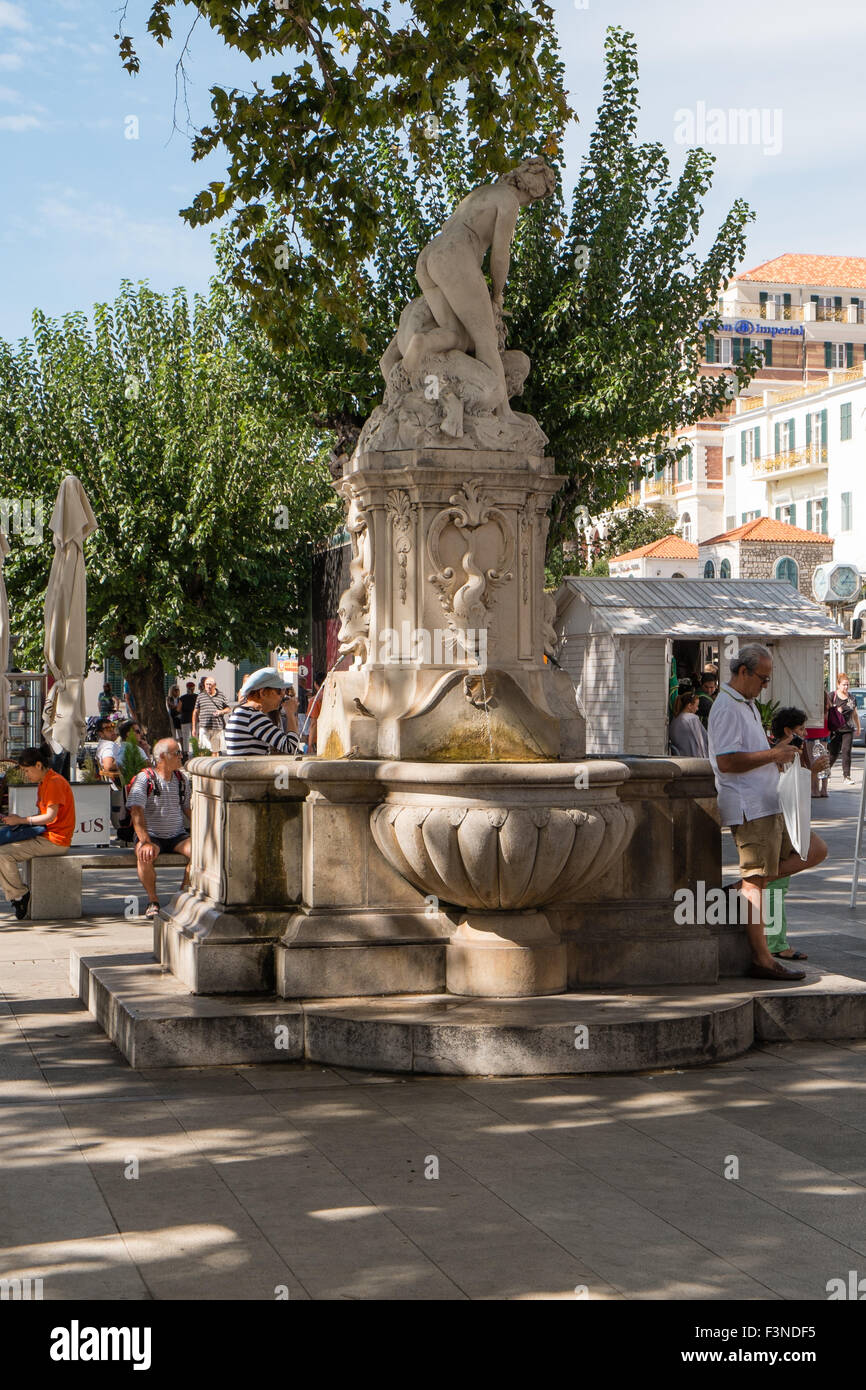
55, 812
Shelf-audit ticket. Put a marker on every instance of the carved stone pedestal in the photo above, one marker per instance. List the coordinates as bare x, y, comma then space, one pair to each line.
505, 955
446, 615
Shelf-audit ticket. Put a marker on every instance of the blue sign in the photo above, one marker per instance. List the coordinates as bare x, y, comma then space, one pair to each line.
748, 328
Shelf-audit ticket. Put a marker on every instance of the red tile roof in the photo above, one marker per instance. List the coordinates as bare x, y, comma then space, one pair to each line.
668, 548
839, 272
765, 528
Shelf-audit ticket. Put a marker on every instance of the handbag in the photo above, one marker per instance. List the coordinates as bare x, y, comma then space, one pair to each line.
837, 718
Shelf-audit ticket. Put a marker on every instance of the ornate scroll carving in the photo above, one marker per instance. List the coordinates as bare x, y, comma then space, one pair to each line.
400, 510
467, 603
354, 609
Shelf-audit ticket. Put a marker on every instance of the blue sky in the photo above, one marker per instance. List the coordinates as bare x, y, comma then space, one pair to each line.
84, 206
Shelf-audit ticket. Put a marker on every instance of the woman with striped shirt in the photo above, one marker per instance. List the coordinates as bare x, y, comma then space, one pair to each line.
251, 731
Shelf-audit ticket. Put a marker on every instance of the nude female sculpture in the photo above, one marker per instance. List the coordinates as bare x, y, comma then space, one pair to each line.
450, 275
448, 375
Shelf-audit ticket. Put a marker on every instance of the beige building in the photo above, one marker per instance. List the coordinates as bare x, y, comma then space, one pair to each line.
765, 549
670, 558
807, 314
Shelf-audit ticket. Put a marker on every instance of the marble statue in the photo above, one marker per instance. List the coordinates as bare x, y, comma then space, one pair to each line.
448, 376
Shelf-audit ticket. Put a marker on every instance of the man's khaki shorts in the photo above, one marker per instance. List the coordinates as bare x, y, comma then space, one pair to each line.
761, 844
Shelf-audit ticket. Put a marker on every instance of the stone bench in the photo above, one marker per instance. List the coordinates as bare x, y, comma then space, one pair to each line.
55, 882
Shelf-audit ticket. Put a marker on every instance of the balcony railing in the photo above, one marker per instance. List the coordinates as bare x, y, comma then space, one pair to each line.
836, 376
771, 312
659, 487
791, 460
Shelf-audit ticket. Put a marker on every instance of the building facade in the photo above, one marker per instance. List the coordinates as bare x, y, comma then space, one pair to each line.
807, 314
765, 549
672, 557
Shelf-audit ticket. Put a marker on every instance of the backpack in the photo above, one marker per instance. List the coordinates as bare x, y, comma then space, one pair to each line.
125, 828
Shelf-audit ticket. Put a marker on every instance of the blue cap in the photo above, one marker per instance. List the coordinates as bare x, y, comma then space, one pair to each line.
267, 678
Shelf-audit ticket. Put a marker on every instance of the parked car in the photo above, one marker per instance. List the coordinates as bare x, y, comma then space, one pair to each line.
859, 694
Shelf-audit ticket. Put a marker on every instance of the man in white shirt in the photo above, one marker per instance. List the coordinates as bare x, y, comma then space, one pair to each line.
747, 781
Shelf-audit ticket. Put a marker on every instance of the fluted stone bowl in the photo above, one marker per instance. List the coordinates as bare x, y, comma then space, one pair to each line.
501, 857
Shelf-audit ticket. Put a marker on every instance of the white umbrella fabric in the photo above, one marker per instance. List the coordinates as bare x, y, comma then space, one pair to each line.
72, 521
4, 649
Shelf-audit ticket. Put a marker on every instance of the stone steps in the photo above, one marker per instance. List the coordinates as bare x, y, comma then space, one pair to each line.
156, 1022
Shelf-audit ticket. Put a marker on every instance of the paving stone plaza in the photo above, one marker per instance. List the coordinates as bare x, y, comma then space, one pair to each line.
335, 1183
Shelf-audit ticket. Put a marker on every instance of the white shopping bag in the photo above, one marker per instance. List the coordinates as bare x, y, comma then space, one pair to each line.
795, 799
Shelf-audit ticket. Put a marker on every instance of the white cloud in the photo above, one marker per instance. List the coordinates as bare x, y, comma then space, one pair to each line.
108, 233
8, 61
12, 17
19, 123
7, 94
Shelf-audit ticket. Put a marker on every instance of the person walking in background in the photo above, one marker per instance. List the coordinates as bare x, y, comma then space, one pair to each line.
172, 704
688, 737
50, 829
209, 716
708, 689
844, 723
187, 705
107, 701
818, 737
251, 730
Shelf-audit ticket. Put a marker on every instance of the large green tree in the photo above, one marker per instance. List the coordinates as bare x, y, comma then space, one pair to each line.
607, 295
349, 71
208, 492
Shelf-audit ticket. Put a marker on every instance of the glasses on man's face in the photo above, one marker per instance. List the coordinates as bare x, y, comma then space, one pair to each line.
765, 680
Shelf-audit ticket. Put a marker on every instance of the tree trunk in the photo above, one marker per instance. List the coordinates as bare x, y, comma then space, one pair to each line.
147, 684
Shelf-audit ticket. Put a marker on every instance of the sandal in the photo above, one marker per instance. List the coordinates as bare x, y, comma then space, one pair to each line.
152, 909
795, 955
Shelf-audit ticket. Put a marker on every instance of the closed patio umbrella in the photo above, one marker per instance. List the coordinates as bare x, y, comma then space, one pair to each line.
72, 521
4, 648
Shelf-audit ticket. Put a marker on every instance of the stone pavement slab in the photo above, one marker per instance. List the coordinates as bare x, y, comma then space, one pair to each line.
319, 1182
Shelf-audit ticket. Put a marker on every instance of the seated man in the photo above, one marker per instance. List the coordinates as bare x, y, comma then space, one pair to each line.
49, 831
158, 802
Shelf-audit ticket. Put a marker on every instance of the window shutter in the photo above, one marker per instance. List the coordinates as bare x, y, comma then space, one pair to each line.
793, 516
738, 350
823, 429
814, 298
763, 296
778, 448
778, 513
838, 301
808, 430
824, 515
855, 302
828, 354
792, 434
808, 516
786, 300
743, 447
768, 352
849, 354
757, 453
711, 349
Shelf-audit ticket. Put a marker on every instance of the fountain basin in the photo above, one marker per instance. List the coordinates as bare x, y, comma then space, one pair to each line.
500, 842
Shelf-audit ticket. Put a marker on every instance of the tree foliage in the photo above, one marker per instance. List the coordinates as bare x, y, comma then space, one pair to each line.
352, 72
615, 347
206, 489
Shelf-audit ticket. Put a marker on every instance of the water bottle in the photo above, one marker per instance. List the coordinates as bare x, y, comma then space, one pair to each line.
819, 750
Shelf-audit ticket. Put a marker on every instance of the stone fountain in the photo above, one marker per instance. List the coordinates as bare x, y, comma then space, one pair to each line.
450, 843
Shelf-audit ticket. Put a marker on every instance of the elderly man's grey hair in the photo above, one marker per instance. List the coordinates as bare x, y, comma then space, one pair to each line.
164, 745
749, 656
